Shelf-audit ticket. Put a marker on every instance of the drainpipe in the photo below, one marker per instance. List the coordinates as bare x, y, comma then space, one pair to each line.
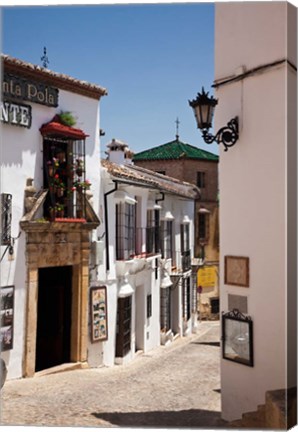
107, 224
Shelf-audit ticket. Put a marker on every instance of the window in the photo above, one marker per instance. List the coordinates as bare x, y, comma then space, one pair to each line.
201, 179
64, 176
165, 309
185, 247
6, 200
123, 333
149, 306
152, 232
186, 298
185, 243
203, 226
167, 239
125, 231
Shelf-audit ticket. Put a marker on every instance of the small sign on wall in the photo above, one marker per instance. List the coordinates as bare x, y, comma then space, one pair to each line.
237, 271
206, 276
99, 314
7, 312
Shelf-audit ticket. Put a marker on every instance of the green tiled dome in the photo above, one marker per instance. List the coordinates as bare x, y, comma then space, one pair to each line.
175, 150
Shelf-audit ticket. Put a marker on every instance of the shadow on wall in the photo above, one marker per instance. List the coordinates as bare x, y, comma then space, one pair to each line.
184, 418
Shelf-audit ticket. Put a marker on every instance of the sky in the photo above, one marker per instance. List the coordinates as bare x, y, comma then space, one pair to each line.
152, 58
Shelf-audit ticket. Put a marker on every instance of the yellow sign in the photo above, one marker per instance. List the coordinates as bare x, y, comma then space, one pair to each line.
206, 276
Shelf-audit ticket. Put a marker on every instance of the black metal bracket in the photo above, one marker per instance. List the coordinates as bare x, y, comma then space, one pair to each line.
227, 135
237, 315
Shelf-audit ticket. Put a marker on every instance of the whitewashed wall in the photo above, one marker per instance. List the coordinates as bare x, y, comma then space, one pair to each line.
22, 158
145, 332
253, 190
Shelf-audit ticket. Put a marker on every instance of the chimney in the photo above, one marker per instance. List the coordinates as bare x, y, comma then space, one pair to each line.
119, 152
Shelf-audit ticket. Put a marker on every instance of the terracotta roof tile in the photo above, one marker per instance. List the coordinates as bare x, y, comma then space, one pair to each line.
62, 81
144, 177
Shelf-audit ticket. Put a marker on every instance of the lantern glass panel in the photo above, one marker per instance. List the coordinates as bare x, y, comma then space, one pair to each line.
204, 115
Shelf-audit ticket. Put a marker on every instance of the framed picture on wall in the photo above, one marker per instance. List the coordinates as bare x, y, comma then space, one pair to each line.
7, 316
236, 271
237, 337
99, 314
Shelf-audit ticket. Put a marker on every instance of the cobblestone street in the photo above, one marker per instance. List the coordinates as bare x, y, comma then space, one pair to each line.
173, 386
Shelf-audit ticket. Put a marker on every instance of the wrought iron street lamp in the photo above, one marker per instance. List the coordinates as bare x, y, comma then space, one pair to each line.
203, 107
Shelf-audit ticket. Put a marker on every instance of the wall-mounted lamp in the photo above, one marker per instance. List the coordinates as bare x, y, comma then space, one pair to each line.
203, 107
10, 253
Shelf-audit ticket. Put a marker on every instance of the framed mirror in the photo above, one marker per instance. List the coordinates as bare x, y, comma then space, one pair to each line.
237, 338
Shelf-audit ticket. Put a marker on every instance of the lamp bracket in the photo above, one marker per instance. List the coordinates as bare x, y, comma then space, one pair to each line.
227, 135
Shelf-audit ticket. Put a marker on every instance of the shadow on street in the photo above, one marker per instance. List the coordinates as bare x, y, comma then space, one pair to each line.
217, 344
185, 418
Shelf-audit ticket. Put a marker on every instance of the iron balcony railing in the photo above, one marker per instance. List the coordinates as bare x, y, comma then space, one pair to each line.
186, 260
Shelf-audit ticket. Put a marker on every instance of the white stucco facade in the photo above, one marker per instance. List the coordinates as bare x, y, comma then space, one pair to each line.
22, 159
140, 276
257, 43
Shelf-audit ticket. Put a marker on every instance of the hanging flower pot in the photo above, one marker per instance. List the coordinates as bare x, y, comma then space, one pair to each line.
79, 171
60, 192
60, 213
52, 212
79, 213
51, 170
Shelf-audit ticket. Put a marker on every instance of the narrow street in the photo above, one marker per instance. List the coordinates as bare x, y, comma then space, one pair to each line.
173, 386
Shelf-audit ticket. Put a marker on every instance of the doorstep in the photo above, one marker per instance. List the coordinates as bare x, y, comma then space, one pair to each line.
65, 367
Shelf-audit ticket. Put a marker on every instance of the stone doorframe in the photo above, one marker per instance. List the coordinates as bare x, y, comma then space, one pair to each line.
54, 244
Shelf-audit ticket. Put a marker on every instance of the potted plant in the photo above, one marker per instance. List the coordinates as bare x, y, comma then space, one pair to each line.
50, 168
79, 167
86, 184
52, 211
67, 118
60, 210
60, 186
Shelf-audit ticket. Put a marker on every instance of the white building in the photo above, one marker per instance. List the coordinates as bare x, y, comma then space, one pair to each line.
47, 220
148, 235
256, 80
87, 277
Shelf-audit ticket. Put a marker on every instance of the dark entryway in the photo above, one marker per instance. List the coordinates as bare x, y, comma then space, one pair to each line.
123, 334
53, 317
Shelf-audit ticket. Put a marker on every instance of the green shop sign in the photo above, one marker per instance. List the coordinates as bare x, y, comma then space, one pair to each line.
14, 87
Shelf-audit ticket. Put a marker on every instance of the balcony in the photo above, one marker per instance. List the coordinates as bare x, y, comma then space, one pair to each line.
181, 263
137, 243
64, 177
186, 261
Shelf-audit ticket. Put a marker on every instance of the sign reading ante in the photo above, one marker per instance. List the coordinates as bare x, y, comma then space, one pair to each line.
20, 88
15, 114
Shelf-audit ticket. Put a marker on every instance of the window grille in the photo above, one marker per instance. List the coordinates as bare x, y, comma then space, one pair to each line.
186, 293
185, 241
65, 177
153, 232
185, 247
149, 306
167, 239
203, 226
6, 216
125, 231
165, 309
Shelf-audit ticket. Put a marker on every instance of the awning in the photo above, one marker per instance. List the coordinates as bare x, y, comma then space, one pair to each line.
55, 128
